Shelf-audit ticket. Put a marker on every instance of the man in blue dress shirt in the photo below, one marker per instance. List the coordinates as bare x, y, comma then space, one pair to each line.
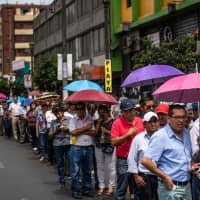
169, 157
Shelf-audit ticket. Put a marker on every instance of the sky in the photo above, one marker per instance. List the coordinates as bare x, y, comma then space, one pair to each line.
26, 1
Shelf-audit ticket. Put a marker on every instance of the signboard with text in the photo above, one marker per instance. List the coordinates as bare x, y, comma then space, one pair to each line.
18, 64
108, 76
27, 81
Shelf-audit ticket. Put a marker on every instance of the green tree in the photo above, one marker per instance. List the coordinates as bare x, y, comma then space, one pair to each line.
179, 53
45, 74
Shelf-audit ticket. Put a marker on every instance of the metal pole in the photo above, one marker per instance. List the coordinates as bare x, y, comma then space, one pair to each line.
107, 28
64, 50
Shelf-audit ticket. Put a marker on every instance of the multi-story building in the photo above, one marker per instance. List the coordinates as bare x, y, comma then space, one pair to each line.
1, 47
84, 36
158, 20
17, 33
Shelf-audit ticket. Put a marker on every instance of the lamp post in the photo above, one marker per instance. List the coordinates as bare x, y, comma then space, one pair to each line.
64, 51
107, 28
31, 45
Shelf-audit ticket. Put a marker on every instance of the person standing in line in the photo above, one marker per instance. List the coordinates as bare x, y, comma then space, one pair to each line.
31, 118
162, 112
15, 114
60, 134
146, 104
104, 151
146, 182
82, 130
169, 157
195, 139
124, 129
1, 119
42, 131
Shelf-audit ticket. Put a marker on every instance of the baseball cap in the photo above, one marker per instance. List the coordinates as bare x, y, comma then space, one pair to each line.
147, 117
126, 104
162, 108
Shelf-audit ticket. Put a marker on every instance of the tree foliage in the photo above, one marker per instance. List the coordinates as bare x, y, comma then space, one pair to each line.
45, 74
179, 53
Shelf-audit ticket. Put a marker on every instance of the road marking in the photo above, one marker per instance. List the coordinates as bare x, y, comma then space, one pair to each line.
2, 165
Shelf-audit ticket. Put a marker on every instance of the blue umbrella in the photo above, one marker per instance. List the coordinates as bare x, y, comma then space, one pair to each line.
27, 102
20, 99
79, 85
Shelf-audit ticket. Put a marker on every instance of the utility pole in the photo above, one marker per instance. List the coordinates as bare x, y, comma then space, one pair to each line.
64, 49
107, 28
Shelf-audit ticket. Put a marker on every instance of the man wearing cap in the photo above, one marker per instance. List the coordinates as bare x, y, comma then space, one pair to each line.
162, 112
169, 156
146, 182
124, 129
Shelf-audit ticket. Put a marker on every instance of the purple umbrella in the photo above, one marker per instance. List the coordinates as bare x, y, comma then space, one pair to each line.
150, 75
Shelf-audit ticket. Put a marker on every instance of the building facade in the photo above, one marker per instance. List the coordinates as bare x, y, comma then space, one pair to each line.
84, 34
158, 20
17, 33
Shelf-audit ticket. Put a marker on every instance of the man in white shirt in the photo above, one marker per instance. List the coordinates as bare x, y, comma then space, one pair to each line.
82, 130
16, 113
146, 182
195, 140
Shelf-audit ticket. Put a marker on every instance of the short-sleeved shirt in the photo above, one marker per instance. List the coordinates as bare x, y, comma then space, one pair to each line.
120, 127
42, 123
62, 137
15, 109
75, 123
171, 154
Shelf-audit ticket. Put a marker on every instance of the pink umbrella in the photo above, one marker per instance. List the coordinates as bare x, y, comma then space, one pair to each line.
181, 89
91, 96
3, 96
34, 93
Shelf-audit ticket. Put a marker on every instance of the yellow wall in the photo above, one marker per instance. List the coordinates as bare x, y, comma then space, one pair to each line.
26, 58
22, 45
23, 31
23, 18
146, 8
126, 12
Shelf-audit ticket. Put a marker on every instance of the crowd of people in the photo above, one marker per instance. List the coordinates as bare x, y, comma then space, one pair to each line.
140, 152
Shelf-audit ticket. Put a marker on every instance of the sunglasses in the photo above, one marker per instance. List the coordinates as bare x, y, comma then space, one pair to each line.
150, 107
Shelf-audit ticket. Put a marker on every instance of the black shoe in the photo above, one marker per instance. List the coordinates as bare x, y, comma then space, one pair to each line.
76, 195
88, 194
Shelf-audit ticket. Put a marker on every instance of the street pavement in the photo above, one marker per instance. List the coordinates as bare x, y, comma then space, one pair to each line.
23, 177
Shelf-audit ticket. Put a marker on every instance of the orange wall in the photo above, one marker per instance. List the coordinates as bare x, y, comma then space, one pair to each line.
146, 8
126, 12
165, 2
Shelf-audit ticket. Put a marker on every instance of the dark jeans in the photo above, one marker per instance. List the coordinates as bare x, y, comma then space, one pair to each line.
43, 144
81, 162
124, 179
195, 188
50, 150
32, 131
149, 191
8, 127
61, 152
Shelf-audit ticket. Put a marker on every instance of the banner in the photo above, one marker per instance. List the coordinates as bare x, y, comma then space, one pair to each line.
108, 76
59, 67
27, 81
69, 66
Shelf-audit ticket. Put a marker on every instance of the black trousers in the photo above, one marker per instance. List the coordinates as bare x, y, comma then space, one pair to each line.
149, 191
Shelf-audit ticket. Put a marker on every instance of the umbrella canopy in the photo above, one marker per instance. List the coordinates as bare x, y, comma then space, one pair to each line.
150, 75
181, 89
79, 85
3, 96
48, 96
27, 102
91, 96
20, 99
34, 93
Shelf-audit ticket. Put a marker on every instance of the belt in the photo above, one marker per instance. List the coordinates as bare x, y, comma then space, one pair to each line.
177, 182
16, 115
180, 183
